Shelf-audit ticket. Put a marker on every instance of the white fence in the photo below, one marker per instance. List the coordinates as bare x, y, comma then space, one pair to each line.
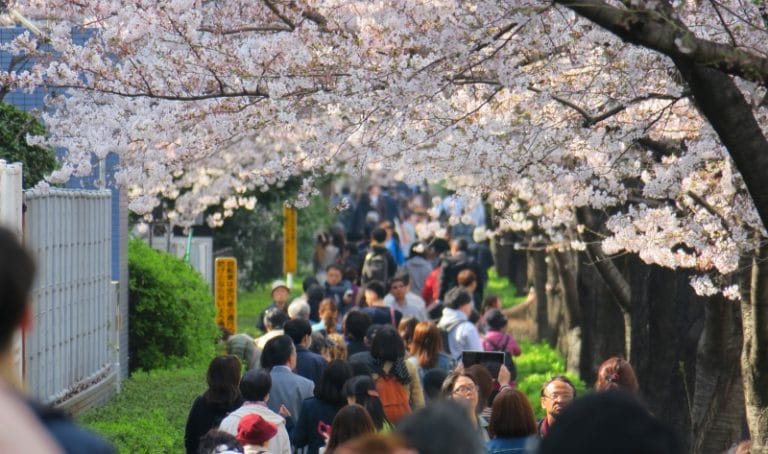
71, 354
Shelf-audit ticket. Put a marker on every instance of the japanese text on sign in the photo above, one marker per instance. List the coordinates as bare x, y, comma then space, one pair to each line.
226, 293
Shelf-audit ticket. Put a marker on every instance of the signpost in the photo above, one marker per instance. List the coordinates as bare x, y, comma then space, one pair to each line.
226, 293
290, 243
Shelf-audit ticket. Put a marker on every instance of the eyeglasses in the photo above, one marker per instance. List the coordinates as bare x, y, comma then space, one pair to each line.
559, 397
467, 389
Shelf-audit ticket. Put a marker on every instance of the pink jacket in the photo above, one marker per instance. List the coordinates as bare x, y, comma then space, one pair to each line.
496, 341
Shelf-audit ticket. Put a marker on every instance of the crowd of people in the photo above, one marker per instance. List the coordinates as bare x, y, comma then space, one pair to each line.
374, 356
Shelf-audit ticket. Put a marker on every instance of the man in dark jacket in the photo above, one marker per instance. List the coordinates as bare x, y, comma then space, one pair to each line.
308, 364
378, 265
458, 261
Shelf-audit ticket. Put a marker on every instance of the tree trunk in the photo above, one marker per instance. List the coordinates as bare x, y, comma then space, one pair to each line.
539, 271
754, 355
717, 412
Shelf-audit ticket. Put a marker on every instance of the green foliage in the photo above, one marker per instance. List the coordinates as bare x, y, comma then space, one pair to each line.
171, 311
537, 364
501, 286
149, 414
15, 125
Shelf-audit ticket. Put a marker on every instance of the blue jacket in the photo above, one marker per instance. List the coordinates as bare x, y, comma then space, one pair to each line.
506, 445
309, 364
305, 431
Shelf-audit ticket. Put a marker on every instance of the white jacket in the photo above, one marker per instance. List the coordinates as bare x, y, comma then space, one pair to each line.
279, 444
462, 334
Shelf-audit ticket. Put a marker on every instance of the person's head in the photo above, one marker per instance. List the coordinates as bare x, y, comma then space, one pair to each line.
496, 320
356, 324
351, 421
374, 190
556, 395
319, 344
298, 309
255, 385
218, 441
308, 282
299, 330
455, 430
418, 249
337, 348
484, 381
280, 293
223, 379
511, 415
491, 302
279, 351
462, 388
387, 344
315, 294
467, 279
370, 334
379, 235
617, 374
275, 318
458, 298
255, 430
361, 390
375, 444
330, 387
604, 422
17, 274
405, 328
433, 383
333, 274
398, 286
374, 291
458, 245
439, 246
427, 344
328, 313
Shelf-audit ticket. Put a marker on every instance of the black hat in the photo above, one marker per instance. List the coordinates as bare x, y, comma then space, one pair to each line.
495, 319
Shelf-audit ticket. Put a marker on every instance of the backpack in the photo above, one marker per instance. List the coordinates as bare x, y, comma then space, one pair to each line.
394, 398
508, 361
375, 268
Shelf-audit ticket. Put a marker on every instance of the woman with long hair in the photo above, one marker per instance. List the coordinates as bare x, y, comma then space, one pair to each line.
321, 409
329, 317
512, 423
351, 422
361, 390
462, 388
427, 349
221, 397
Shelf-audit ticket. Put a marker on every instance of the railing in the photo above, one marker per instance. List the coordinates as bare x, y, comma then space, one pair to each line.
70, 355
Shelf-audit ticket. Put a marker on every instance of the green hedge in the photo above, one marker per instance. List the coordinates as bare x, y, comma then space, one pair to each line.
149, 414
535, 366
171, 311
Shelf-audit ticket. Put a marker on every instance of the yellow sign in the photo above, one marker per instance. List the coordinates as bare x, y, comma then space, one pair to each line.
226, 293
290, 264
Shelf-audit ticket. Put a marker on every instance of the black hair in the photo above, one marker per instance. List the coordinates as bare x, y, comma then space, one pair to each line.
318, 342
433, 383
460, 244
446, 418
223, 379
379, 235
610, 421
387, 345
330, 386
255, 385
275, 318
457, 297
334, 266
376, 287
277, 352
356, 324
307, 282
400, 277
214, 438
363, 390
17, 274
561, 378
297, 329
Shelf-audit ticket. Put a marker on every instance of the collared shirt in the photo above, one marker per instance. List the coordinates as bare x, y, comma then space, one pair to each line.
414, 306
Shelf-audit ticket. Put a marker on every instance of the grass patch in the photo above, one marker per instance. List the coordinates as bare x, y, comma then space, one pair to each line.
501, 286
535, 366
150, 413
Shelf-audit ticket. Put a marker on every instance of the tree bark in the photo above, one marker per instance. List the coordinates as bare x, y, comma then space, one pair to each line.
717, 409
539, 271
754, 355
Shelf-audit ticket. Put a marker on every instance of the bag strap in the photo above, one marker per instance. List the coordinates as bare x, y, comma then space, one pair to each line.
392, 316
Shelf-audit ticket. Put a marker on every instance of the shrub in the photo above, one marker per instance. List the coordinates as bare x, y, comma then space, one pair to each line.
537, 364
171, 311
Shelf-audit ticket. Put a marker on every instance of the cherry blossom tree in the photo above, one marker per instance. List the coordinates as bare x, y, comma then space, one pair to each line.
650, 111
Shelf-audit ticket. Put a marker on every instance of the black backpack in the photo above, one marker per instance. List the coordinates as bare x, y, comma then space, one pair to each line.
375, 268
